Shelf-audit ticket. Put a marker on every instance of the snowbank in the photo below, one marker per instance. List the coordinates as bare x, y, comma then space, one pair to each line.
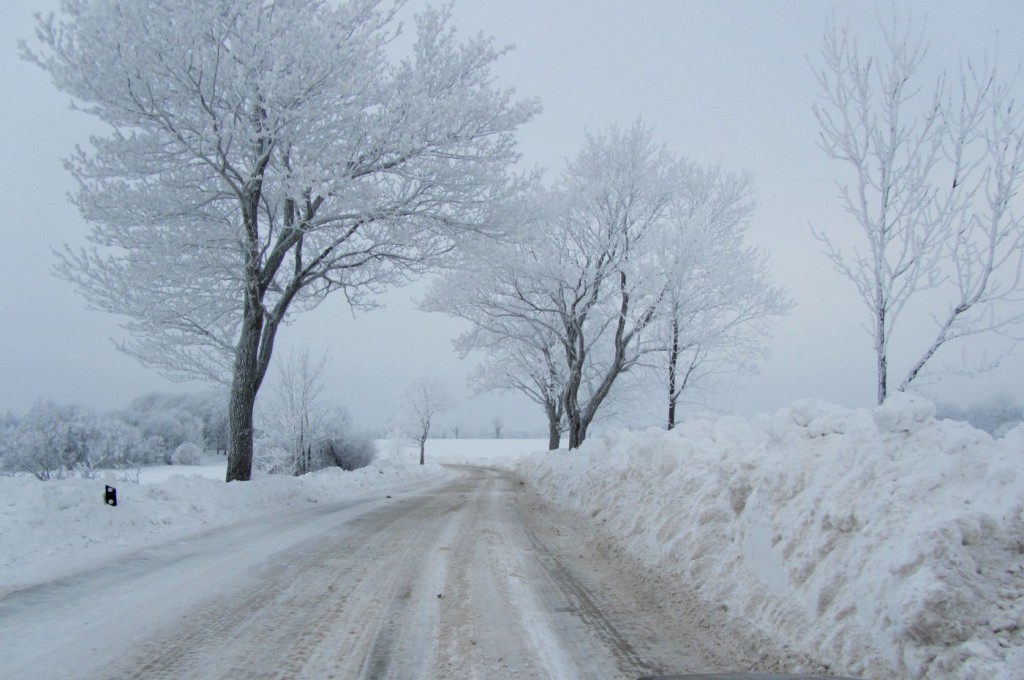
883, 543
50, 528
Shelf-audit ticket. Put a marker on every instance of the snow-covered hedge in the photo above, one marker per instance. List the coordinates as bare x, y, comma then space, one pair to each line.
881, 542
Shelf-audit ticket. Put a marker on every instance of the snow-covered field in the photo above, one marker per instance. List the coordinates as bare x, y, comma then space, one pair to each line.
881, 542
502, 453
55, 527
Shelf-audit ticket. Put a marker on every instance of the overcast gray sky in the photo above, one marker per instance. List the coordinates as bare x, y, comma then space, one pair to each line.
719, 81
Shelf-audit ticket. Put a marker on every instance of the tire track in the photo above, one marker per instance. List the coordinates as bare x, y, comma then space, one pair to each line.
580, 602
333, 605
474, 579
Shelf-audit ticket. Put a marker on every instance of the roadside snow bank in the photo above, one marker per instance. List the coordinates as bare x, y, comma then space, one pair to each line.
49, 528
879, 542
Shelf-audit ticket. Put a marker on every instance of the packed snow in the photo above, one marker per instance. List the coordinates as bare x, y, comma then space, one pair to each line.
878, 542
882, 543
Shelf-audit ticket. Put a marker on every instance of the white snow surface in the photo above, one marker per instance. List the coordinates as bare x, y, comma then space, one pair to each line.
55, 527
882, 543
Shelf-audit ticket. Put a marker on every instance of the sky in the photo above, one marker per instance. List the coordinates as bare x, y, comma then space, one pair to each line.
725, 82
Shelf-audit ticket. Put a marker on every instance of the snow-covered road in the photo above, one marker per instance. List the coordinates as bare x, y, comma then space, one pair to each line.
471, 578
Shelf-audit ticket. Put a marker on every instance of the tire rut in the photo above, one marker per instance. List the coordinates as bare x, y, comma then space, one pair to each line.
336, 602
473, 579
583, 604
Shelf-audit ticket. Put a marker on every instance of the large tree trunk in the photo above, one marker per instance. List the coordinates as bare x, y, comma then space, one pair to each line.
554, 433
240, 409
577, 430
244, 385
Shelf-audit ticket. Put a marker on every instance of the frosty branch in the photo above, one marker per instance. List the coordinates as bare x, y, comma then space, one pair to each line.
935, 176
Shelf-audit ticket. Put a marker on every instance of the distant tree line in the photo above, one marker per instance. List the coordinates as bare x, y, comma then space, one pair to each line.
56, 441
996, 414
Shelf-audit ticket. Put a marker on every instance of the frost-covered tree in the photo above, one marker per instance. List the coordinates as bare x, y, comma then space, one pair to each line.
118, 445
164, 423
718, 298
629, 236
521, 351
571, 296
8, 430
935, 173
54, 441
295, 415
423, 400
350, 449
262, 155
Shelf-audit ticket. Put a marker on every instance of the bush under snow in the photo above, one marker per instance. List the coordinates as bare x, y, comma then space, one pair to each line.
187, 453
881, 542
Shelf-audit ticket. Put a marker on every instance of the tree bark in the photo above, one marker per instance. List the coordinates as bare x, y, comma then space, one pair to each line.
554, 434
245, 383
240, 409
673, 358
577, 431
880, 355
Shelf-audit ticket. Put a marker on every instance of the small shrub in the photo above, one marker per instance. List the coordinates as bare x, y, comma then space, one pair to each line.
187, 454
350, 451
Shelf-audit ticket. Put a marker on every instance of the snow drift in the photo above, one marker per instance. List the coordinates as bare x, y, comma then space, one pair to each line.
879, 542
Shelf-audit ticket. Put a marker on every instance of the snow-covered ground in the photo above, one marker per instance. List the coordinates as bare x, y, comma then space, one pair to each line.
55, 527
883, 543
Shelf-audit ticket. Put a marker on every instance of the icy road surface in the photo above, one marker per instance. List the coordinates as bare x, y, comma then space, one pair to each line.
471, 579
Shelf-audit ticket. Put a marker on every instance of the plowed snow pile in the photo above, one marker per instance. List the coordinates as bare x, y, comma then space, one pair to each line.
883, 543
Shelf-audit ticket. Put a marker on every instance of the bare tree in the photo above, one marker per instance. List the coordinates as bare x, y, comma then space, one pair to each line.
935, 172
425, 399
249, 173
296, 414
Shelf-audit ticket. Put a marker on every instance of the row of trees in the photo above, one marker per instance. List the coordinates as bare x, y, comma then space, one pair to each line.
995, 414
298, 430
246, 175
